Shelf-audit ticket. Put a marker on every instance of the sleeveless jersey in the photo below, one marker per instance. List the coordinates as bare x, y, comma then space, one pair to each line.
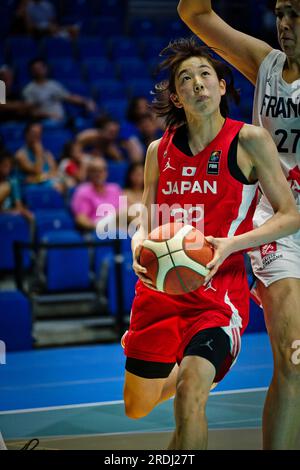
201, 191
277, 108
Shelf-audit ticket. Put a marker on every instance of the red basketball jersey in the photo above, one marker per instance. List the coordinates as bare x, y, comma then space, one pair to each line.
198, 189
201, 191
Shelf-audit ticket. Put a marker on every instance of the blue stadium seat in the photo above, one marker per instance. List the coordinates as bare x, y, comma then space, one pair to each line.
108, 7
12, 228
126, 48
100, 68
54, 140
116, 108
58, 47
132, 68
61, 69
173, 28
78, 87
22, 47
66, 269
105, 26
12, 131
42, 197
142, 87
15, 321
108, 89
151, 47
90, 47
117, 172
51, 220
143, 27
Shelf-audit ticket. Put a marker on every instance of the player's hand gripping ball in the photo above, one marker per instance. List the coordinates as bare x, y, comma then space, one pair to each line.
175, 256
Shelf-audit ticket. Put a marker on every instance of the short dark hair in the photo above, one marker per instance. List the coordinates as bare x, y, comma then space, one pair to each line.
30, 124
176, 52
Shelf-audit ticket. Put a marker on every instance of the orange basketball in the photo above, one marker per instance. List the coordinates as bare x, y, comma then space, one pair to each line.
175, 256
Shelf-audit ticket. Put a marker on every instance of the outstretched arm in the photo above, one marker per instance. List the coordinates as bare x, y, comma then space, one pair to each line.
244, 52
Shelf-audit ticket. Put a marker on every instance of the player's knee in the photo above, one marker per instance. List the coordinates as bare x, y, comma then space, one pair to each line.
136, 409
191, 397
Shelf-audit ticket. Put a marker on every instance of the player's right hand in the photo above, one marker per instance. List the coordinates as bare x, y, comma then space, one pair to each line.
139, 270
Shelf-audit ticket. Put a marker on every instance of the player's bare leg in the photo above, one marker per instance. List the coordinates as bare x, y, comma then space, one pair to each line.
195, 378
142, 395
281, 417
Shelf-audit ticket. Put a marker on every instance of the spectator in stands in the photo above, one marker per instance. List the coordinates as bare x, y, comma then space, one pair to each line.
73, 165
110, 140
37, 165
10, 194
48, 95
134, 185
89, 196
103, 139
148, 129
15, 108
38, 18
143, 123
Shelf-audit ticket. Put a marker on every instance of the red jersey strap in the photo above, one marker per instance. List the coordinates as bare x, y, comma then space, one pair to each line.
223, 140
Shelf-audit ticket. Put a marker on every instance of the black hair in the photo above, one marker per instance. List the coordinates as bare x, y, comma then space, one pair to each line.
176, 52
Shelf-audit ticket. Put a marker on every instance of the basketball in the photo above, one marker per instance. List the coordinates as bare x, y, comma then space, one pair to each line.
175, 256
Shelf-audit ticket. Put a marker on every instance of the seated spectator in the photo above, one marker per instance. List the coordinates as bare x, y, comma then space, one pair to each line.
38, 18
148, 130
103, 140
73, 165
110, 140
89, 196
10, 194
138, 106
134, 185
37, 165
15, 108
48, 95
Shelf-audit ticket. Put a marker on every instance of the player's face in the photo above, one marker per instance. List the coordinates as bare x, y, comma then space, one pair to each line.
199, 90
288, 26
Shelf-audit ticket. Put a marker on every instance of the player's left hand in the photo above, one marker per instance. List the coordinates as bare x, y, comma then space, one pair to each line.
223, 248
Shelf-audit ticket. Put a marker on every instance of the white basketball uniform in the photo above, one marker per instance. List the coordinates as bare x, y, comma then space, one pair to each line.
277, 108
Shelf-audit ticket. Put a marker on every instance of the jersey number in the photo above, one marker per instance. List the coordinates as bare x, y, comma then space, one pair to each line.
284, 135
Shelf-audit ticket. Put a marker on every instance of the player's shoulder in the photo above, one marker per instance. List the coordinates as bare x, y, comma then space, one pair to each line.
251, 134
153, 146
256, 142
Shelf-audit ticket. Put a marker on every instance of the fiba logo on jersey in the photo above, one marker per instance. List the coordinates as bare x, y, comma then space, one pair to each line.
2, 353
296, 92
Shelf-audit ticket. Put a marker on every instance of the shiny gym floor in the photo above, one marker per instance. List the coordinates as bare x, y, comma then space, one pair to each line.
71, 398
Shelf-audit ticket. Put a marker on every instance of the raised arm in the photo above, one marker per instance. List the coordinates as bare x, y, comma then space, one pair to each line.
244, 52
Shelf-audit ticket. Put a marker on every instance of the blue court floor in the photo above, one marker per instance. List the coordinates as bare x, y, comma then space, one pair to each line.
72, 391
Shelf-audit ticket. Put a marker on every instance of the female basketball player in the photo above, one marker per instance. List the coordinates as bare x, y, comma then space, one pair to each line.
200, 330
276, 75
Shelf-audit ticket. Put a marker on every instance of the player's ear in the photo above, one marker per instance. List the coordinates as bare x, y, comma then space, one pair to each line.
175, 100
222, 87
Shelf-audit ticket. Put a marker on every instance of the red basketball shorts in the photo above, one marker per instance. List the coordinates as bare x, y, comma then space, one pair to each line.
162, 325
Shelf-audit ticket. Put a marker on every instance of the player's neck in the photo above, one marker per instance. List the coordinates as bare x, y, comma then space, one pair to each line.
291, 69
202, 132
